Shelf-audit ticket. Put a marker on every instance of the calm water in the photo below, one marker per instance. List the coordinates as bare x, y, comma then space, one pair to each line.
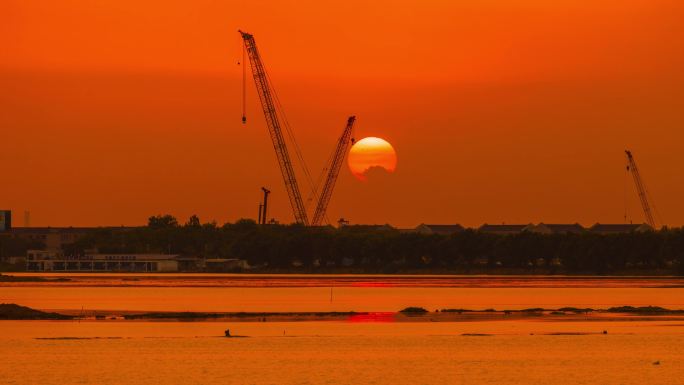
206, 292
341, 353
523, 351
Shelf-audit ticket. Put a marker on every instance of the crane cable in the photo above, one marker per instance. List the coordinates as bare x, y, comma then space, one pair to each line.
319, 181
658, 217
631, 167
313, 186
626, 200
244, 84
328, 165
289, 131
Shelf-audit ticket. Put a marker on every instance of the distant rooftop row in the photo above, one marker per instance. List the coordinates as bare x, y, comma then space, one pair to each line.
541, 228
72, 233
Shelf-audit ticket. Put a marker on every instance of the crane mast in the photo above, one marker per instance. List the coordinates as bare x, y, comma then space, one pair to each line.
267, 103
341, 150
641, 189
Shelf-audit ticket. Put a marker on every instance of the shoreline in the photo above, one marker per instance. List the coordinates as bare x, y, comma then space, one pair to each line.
622, 313
471, 271
227, 280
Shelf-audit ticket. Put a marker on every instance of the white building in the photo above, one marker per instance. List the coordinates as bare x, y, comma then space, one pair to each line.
47, 260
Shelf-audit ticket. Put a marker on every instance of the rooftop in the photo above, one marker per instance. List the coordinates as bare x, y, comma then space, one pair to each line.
439, 229
619, 227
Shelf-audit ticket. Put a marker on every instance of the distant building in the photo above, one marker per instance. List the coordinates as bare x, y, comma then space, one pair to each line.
297, 263
17, 260
190, 264
347, 262
55, 260
439, 229
547, 228
5, 220
218, 265
600, 228
503, 229
360, 228
55, 238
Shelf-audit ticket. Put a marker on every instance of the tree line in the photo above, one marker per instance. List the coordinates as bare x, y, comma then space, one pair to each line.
386, 250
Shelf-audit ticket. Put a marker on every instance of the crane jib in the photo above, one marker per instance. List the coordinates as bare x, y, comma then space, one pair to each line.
340, 151
641, 189
274, 128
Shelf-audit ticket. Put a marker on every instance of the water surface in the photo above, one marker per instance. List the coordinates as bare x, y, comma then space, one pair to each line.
341, 353
284, 293
530, 350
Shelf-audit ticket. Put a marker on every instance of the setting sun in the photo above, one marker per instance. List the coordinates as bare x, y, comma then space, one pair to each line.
370, 153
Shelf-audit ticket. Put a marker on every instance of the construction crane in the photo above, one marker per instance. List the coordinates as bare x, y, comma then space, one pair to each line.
268, 104
641, 188
341, 150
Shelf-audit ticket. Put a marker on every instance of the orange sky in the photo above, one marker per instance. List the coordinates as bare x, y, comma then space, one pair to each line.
500, 111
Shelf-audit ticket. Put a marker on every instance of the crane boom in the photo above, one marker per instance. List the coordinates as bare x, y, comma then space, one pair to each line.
641, 189
341, 150
267, 103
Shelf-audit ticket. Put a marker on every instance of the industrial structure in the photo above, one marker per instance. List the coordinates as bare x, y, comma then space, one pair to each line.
263, 207
641, 190
268, 103
273, 114
343, 145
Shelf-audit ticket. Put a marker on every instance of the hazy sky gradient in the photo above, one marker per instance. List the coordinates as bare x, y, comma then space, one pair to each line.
111, 111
